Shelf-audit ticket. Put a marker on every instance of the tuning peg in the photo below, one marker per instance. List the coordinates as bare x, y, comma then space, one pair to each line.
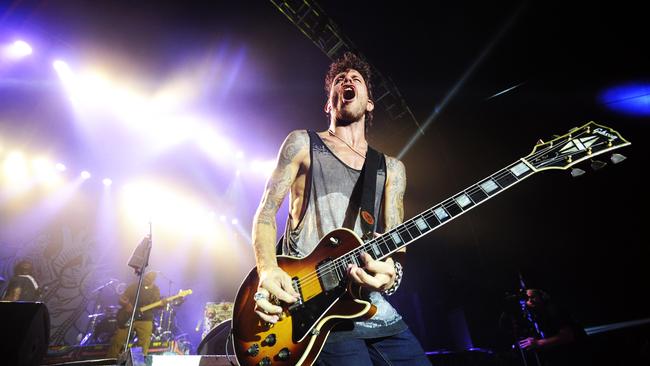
597, 164
617, 158
576, 172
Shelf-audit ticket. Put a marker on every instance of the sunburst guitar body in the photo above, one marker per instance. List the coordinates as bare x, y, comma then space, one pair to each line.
326, 298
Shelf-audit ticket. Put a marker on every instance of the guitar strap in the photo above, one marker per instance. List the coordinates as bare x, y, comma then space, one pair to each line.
374, 161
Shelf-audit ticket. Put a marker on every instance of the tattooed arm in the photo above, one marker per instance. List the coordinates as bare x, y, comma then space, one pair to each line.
273, 280
380, 275
394, 199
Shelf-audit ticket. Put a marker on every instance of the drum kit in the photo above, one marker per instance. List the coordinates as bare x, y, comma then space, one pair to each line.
103, 322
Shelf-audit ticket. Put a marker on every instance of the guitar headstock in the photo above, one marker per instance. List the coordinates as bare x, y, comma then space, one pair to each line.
579, 144
183, 293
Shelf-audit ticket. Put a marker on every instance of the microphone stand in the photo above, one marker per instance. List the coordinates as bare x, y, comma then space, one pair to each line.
139, 261
531, 320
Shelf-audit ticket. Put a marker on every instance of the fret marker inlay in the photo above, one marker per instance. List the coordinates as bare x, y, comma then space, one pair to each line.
463, 200
519, 169
422, 225
489, 186
441, 213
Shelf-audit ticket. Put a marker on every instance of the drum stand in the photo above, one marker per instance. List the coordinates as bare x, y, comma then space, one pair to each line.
164, 331
90, 329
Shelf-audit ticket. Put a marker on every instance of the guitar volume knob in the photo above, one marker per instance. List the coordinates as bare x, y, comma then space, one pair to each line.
284, 354
253, 350
265, 362
269, 340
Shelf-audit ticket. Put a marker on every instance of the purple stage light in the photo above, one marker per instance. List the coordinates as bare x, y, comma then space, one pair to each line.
62, 69
85, 174
107, 182
632, 99
19, 49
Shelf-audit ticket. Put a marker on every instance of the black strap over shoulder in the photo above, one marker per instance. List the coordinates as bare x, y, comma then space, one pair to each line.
374, 160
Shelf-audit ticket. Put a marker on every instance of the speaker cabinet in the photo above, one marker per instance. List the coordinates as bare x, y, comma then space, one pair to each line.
24, 333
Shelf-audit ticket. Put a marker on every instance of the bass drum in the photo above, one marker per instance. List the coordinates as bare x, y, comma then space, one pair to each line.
104, 330
217, 340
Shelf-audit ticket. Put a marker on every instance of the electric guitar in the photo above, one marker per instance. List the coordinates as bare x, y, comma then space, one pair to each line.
328, 297
124, 314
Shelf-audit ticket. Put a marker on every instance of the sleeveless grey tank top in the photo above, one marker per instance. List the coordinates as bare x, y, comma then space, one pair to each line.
333, 200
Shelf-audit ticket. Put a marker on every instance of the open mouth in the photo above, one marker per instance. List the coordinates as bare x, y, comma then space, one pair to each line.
348, 93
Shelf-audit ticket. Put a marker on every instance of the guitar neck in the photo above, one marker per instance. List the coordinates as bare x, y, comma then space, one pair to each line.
444, 212
151, 306
158, 303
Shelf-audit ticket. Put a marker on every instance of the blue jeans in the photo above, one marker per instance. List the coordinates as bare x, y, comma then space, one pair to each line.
400, 349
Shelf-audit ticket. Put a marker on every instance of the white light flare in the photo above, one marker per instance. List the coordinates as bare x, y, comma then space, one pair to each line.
263, 167
19, 49
15, 167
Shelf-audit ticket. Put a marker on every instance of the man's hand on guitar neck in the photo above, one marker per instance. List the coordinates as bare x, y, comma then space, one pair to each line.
274, 284
375, 275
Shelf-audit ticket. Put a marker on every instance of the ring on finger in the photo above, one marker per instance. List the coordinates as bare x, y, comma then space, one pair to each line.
259, 295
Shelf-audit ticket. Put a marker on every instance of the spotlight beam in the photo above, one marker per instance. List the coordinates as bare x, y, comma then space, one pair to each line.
461, 82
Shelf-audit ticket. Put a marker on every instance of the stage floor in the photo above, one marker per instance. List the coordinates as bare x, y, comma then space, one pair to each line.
160, 353
159, 360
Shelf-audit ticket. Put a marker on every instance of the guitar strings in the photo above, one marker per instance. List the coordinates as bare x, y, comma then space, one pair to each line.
341, 262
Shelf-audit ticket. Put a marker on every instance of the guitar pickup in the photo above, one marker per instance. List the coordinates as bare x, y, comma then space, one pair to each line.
329, 275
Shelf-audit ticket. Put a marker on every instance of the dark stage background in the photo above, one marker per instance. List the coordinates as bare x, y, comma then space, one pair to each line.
581, 239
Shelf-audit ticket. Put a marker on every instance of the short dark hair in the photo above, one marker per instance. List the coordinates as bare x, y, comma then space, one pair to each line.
346, 62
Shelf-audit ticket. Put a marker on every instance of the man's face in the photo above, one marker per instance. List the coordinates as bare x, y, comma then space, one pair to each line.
348, 99
25, 268
534, 300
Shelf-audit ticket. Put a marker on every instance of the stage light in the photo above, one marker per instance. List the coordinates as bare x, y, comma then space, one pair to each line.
15, 167
85, 174
63, 71
107, 182
178, 213
61, 67
264, 168
234, 221
632, 99
60, 167
43, 170
19, 49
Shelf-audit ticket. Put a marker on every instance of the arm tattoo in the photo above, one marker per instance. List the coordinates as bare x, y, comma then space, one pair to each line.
282, 177
396, 177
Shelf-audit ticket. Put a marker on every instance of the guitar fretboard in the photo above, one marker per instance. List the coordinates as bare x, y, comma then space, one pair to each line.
436, 216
